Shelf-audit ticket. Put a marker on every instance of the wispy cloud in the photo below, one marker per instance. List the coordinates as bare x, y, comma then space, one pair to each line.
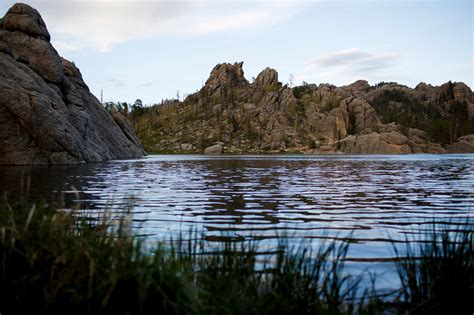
116, 82
351, 64
355, 59
101, 24
65, 45
146, 84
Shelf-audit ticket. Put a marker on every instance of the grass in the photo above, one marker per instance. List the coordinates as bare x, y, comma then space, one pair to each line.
438, 276
57, 262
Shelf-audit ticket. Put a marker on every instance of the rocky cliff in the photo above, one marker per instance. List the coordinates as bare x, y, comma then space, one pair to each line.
267, 116
47, 113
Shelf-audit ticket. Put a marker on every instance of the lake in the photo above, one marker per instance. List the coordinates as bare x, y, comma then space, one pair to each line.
371, 199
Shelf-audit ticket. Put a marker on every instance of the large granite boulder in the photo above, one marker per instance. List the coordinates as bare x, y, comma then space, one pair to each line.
47, 113
375, 143
213, 150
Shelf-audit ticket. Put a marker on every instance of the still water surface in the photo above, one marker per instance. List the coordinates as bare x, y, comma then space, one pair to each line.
369, 198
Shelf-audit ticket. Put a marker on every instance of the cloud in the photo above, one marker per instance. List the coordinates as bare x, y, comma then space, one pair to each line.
355, 59
116, 82
339, 58
146, 84
101, 24
65, 45
348, 65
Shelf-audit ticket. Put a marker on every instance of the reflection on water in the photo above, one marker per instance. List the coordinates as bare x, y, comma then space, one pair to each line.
265, 196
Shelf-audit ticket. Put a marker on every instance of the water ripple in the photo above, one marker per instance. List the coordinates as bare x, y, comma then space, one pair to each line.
263, 197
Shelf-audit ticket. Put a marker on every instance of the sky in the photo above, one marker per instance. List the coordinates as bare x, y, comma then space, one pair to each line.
153, 50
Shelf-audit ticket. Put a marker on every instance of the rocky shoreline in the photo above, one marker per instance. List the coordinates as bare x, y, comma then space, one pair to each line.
231, 115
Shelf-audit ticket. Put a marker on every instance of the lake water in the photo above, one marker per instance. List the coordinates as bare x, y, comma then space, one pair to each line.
313, 198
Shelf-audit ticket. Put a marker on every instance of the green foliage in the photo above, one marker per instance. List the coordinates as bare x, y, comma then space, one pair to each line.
121, 107
292, 111
160, 122
305, 100
55, 262
448, 94
299, 91
58, 262
332, 103
271, 88
250, 132
163, 127
312, 144
137, 110
438, 276
283, 136
382, 83
190, 113
404, 130
439, 130
444, 122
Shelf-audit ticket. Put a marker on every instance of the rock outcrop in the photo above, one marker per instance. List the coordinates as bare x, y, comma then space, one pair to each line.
213, 150
223, 79
419, 142
375, 143
464, 144
268, 77
47, 113
267, 116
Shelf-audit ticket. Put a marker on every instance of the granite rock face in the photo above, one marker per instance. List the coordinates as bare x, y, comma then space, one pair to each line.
375, 143
224, 77
268, 77
47, 113
268, 116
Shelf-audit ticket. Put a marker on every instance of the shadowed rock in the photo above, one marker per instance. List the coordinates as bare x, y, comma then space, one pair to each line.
25, 19
47, 113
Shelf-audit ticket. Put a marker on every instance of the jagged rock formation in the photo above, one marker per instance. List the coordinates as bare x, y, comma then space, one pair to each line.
47, 113
267, 116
